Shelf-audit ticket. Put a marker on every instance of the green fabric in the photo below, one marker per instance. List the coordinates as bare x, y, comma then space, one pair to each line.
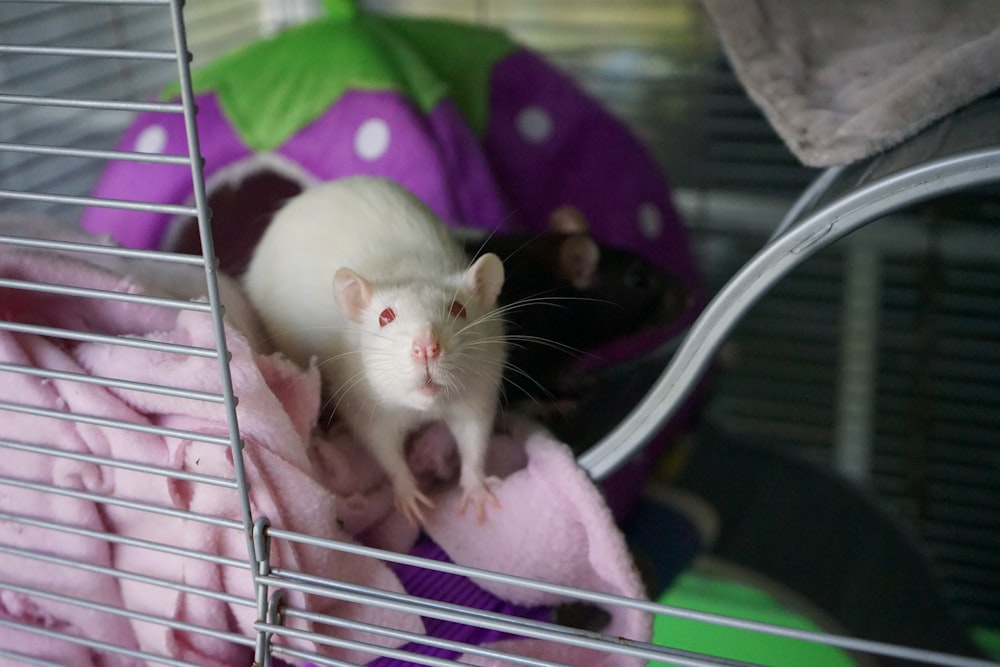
423, 60
989, 640
328, 57
340, 8
463, 55
703, 592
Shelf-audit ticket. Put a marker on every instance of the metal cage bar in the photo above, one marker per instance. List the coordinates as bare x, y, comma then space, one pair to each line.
40, 149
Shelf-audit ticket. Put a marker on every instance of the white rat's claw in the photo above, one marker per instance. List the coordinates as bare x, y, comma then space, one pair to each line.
409, 505
478, 495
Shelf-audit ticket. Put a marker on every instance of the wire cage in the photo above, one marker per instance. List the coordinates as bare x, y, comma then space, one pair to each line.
148, 516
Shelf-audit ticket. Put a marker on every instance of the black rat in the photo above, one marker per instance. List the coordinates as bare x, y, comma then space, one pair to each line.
565, 293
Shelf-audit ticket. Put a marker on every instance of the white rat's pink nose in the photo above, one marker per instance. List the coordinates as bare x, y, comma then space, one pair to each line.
426, 347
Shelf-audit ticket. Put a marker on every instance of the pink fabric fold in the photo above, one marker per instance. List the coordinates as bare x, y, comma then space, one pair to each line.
322, 485
276, 409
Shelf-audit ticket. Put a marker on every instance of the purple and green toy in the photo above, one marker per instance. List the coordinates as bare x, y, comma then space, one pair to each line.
482, 129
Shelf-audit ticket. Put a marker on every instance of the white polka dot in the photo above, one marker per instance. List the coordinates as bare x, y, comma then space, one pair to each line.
650, 220
153, 139
371, 141
534, 124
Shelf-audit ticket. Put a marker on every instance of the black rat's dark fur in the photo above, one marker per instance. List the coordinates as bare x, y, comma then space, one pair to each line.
552, 321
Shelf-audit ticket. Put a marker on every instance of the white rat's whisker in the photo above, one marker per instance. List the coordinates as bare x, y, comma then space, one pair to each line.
458, 383
517, 385
336, 357
491, 378
494, 232
482, 246
389, 380
344, 390
280, 333
476, 323
525, 341
548, 342
552, 302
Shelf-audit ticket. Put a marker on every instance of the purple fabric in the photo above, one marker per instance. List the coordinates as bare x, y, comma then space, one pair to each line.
453, 589
430, 155
162, 133
379, 133
550, 144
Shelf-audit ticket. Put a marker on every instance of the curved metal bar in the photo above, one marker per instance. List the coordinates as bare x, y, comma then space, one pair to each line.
820, 229
809, 197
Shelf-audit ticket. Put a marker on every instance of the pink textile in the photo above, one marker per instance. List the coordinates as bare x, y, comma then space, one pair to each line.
323, 485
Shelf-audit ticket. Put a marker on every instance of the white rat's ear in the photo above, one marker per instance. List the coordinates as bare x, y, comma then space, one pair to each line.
568, 220
578, 259
352, 292
484, 278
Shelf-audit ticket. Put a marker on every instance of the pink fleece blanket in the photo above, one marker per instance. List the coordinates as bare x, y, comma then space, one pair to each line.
553, 524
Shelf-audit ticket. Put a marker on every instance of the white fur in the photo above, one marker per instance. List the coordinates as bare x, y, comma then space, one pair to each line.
391, 252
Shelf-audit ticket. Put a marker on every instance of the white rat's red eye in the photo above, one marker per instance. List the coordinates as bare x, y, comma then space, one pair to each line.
386, 316
457, 309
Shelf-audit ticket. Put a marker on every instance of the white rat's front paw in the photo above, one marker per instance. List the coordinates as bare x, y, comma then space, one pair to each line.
478, 494
411, 503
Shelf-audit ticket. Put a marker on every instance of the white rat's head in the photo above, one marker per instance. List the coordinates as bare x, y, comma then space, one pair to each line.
427, 341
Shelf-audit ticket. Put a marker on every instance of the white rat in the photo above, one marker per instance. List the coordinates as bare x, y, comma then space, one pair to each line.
359, 273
